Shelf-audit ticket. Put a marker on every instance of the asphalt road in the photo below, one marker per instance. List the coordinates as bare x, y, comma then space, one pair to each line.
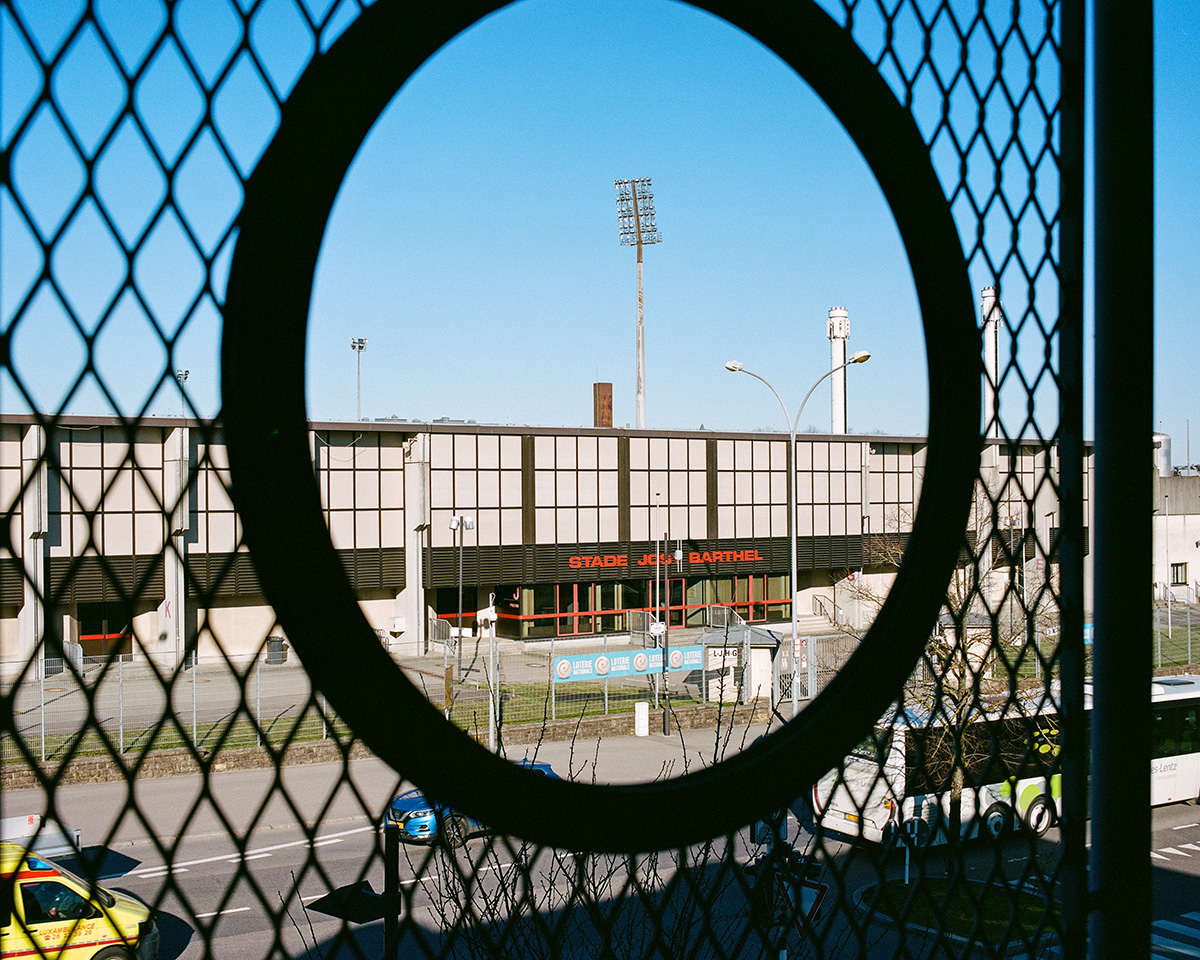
235, 898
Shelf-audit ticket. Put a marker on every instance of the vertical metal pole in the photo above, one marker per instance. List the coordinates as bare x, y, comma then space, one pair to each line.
121, 705
1167, 550
553, 705
641, 336
493, 683
458, 643
793, 513
324, 718
42, 696
606, 677
1120, 872
258, 698
391, 891
195, 724
1072, 491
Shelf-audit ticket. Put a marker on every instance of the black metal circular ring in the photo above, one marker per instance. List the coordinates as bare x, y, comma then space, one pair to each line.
287, 204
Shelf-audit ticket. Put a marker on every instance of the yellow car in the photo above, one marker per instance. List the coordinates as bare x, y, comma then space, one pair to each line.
47, 911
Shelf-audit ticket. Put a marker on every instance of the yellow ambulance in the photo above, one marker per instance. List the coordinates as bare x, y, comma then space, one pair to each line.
47, 911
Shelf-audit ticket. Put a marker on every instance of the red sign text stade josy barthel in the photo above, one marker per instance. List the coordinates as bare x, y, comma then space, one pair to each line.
650, 559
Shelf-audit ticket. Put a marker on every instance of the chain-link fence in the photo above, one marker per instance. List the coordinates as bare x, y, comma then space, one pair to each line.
150, 162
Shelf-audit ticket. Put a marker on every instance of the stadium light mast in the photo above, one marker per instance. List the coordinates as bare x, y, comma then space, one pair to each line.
635, 221
358, 344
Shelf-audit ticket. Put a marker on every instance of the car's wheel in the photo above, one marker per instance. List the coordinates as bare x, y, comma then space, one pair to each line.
997, 821
113, 953
1039, 816
455, 830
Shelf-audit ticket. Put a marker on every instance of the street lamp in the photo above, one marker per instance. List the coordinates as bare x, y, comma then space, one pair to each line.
635, 223
736, 366
179, 522
460, 525
358, 345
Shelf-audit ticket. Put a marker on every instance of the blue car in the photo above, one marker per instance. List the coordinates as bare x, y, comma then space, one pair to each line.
420, 818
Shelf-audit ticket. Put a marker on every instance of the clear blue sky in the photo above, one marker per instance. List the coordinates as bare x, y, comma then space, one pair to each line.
475, 244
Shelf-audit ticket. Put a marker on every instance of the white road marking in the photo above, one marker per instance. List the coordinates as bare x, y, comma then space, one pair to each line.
1176, 928
153, 873
1190, 846
250, 856
1158, 856
1186, 949
1178, 853
320, 842
221, 913
1186, 826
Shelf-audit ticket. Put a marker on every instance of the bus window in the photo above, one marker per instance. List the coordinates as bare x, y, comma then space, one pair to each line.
1165, 730
876, 747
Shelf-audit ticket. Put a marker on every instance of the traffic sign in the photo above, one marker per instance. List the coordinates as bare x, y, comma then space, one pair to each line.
801, 898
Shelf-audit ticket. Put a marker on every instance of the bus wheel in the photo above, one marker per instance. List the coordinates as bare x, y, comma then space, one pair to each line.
997, 820
1039, 817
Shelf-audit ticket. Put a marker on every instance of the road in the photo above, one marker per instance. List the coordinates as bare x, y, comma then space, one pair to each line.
234, 898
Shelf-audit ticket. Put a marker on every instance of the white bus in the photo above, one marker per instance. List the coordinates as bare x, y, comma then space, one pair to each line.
897, 781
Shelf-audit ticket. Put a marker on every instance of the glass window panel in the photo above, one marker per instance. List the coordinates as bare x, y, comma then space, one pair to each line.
488, 452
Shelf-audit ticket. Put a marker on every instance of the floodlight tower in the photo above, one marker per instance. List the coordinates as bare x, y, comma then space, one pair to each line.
358, 344
635, 221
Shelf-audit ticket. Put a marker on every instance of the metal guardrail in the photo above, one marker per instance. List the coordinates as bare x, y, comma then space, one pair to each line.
720, 615
824, 607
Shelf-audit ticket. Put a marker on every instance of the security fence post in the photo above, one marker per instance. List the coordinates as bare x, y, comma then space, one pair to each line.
606, 677
42, 701
258, 698
121, 704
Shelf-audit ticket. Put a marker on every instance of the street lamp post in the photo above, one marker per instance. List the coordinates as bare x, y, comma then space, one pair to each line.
658, 611
179, 524
736, 366
460, 525
358, 344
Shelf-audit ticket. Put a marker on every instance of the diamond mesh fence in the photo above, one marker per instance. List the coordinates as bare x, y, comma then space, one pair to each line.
222, 788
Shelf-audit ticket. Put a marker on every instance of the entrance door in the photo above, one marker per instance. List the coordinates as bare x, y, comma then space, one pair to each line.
575, 600
749, 595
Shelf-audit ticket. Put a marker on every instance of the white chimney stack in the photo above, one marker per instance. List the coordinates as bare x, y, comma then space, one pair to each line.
839, 332
991, 310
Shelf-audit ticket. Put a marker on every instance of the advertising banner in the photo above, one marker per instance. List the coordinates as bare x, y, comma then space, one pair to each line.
627, 663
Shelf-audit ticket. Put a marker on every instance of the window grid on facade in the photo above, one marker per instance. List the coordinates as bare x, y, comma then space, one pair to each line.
893, 486
476, 476
752, 488
576, 497
361, 480
674, 468
829, 497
